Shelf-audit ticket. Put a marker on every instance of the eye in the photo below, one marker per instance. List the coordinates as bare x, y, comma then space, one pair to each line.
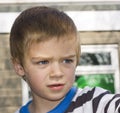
68, 61
43, 62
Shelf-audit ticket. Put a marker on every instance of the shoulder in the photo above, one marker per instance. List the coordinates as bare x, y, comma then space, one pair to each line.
90, 93
95, 99
24, 108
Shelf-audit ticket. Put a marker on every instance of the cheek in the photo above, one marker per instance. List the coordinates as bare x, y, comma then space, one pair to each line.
35, 79
71, 75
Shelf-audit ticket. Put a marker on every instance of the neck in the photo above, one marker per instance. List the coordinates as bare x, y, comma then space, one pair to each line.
42, 106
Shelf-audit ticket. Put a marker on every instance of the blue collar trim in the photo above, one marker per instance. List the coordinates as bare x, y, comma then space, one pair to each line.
25, 108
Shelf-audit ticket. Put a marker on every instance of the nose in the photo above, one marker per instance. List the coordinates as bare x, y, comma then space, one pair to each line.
56, 70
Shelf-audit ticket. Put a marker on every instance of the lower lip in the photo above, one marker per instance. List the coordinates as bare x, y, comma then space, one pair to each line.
56, 87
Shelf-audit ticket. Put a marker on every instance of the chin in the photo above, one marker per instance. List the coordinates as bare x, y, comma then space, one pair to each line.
57, 97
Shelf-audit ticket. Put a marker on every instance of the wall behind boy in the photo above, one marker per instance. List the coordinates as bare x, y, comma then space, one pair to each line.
10, 84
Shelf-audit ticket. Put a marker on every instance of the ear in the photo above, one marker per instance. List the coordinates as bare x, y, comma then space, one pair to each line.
18, 68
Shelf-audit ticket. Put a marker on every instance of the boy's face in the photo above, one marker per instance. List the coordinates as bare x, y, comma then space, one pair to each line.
49, 68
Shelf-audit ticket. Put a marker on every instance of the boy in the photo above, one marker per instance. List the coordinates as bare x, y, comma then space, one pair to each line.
45, 52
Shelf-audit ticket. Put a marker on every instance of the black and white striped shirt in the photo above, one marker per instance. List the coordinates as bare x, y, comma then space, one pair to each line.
94, 100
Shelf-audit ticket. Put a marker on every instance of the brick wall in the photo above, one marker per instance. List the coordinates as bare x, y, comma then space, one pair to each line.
10, 84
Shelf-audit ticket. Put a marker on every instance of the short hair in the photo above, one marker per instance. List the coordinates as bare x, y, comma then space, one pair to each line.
38, 24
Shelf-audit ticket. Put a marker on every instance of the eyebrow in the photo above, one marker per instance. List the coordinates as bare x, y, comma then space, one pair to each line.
69, 56
44, 57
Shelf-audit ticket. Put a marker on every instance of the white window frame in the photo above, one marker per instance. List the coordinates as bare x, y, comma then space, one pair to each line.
84, 20
62, 1
101, 69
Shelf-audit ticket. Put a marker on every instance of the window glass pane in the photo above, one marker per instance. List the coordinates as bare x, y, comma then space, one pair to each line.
102, 80
102, 58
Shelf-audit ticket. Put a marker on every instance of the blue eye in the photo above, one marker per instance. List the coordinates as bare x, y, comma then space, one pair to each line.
68, 61
43, 62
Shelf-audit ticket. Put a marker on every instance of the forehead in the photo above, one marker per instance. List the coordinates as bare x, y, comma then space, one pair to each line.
54, 45
34, 39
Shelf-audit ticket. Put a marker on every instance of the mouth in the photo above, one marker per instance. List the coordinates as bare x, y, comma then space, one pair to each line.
56, 86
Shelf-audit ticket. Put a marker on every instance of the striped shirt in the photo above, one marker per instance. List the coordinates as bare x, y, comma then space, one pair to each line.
87, 100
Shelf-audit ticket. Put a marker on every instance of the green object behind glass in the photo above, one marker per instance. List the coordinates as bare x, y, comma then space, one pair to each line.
105, 81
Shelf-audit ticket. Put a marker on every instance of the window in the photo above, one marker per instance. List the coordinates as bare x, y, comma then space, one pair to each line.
99, 67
